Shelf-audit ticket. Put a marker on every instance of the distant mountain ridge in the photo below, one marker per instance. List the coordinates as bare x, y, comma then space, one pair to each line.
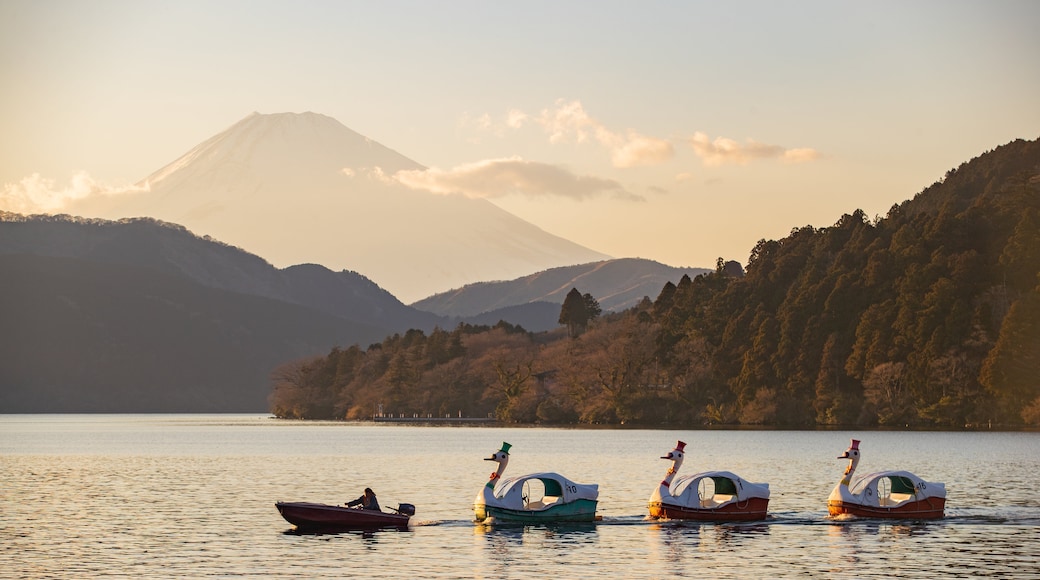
616, 284
303, 188
144, 316
88, 336
139, 315
174, 250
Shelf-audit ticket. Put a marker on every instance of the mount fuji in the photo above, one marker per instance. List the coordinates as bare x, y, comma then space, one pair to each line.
303, 188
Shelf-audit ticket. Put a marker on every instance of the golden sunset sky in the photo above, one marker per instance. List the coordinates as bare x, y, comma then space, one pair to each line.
675, 131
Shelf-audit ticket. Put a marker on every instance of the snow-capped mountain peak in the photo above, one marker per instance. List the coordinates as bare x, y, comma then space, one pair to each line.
303, 188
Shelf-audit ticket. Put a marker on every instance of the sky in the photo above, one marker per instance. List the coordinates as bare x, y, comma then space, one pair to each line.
675, 131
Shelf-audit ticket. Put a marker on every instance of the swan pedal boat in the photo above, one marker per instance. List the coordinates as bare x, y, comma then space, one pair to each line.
554, 499
728, 498
316, 516
885, 494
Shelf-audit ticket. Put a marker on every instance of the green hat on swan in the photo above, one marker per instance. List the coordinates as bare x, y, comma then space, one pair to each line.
505, 448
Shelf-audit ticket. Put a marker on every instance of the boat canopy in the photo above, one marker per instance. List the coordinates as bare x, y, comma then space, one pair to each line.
686, 489
898, 484
511, 492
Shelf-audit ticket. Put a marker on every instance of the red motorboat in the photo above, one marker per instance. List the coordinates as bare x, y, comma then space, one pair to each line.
316, 516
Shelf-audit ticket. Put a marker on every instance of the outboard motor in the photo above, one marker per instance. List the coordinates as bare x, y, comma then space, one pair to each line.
406, 509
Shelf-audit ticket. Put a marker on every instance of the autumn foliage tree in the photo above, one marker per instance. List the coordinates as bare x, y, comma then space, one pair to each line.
928, 316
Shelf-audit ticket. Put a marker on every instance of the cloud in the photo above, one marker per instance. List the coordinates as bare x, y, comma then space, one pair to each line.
640, 150
723, 150
515, 118
374, 173
568, 122
801, 155
40, 194
512, 176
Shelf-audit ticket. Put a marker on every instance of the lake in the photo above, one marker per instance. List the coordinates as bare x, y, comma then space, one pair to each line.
176, 496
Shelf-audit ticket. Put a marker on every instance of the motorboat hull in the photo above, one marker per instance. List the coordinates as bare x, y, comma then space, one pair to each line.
580, 510
316, 516
924, 509
749, 510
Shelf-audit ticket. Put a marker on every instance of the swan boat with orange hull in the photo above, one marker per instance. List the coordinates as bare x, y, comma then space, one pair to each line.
885, 494
718, 496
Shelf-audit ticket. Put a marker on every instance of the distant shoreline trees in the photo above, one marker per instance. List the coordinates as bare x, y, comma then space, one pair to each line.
926, 318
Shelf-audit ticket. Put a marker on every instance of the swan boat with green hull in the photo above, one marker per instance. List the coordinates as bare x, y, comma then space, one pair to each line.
544, 497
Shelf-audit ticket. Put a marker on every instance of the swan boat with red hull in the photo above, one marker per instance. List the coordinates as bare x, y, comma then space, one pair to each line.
709, 496
751, 510
317, 516
885, 494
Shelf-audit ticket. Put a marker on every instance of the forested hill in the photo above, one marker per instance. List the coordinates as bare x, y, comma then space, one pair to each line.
929, 316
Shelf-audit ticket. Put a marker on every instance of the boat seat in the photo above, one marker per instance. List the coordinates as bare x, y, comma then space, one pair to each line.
894, 499
716, 500
543, 503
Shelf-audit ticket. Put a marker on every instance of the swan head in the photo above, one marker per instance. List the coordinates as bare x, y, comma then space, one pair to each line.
677, 453
852, 452
500, 456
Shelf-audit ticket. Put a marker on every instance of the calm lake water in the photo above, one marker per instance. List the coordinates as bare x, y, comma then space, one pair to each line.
192, 496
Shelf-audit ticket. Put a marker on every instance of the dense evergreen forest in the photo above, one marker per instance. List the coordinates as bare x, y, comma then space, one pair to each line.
926, 317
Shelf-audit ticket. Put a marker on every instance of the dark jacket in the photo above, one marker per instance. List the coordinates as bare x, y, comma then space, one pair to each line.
366, 503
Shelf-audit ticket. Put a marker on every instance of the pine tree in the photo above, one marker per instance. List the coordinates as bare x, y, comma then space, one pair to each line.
574, 313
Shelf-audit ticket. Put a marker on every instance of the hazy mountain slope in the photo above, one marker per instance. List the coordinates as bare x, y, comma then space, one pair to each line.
85, 336
616, 284
174, 250
302, 188
533, 316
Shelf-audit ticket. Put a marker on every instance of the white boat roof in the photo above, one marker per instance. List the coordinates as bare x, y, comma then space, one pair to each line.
569, 490
926, 488
744, 488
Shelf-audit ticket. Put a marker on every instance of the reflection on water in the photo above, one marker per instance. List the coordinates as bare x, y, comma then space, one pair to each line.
192, 496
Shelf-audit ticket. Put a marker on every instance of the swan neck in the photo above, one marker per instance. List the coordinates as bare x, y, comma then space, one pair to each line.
497, 474
670, 474
849, 471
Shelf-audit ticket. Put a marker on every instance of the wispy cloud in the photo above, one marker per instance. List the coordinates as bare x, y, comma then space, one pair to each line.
512, 176
800, 155
639, 150
722, 150
40, 194
567, 121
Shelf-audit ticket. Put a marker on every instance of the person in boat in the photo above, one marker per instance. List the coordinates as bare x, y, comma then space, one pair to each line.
367, 501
